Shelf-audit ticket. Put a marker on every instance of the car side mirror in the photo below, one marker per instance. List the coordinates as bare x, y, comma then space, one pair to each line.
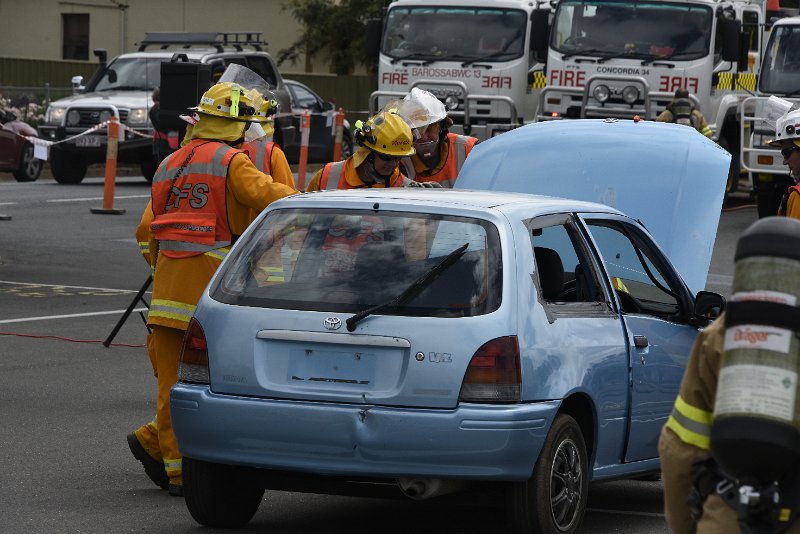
708, 305
77, 84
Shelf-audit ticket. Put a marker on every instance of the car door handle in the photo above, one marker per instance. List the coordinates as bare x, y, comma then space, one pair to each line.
640, 342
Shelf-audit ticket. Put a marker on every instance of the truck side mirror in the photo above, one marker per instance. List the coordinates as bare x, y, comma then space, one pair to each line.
709, 305
77, 84
730, 30
372, 39
540, 32
742, 62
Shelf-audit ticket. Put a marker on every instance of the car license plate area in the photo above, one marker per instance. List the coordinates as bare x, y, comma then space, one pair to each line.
89, 141
331, 369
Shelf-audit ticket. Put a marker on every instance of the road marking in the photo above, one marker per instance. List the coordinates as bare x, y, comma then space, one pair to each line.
8, 203
95, 198
68, 287
625, 512
68, 316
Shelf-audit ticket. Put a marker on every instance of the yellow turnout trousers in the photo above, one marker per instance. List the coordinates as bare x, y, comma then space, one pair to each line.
157, 437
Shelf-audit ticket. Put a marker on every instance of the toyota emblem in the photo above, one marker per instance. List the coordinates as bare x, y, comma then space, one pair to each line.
332, 323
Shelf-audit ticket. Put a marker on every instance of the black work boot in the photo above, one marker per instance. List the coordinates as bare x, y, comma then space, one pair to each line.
152, 467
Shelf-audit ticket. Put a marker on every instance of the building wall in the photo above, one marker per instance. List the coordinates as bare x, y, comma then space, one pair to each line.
33, 28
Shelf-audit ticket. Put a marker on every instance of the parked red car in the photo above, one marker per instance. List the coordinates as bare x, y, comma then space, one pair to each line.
16, 153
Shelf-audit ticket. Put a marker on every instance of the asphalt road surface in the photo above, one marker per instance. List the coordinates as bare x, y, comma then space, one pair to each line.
67, 402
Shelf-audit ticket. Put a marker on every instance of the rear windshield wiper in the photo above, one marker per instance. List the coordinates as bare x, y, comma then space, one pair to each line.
412, 290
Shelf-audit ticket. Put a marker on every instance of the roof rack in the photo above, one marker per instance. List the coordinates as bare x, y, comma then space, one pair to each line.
218, 40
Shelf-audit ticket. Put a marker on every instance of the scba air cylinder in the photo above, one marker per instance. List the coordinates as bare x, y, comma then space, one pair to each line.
755, 434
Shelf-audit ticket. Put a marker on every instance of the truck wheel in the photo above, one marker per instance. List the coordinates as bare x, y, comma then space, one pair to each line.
553, 500
29, 167
66, 169
732, 184
220, 495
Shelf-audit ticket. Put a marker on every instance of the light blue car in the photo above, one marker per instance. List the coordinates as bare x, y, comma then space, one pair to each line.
434, 341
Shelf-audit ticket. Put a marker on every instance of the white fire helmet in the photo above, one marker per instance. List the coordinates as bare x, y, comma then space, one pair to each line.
787, 128
422, 108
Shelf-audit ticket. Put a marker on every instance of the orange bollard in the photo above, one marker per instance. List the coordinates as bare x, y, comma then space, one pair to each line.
337, 144
305, 131
111, 171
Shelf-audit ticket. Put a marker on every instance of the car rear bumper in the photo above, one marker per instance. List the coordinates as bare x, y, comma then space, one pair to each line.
473, 441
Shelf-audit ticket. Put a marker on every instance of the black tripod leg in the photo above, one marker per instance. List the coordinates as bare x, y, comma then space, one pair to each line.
127, 313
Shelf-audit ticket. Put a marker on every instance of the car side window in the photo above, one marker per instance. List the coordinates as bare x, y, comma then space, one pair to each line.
637, 273
562, 268
303, 98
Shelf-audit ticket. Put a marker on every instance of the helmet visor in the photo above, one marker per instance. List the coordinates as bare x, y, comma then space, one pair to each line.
254, 86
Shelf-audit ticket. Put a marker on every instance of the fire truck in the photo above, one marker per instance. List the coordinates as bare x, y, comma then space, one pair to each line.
779, 76
482, 58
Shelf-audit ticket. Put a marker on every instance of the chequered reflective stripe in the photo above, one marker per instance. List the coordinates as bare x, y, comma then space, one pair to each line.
209, 168
144, 247
173, 466
171, 309
691, 424
745, 80
539, 80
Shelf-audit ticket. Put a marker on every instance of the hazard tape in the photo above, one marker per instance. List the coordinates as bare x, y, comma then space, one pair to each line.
744, 80
539, 80
102, 125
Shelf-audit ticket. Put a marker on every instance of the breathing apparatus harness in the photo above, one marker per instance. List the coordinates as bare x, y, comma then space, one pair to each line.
683, 112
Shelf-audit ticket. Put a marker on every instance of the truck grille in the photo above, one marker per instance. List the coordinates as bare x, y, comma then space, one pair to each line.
91, 117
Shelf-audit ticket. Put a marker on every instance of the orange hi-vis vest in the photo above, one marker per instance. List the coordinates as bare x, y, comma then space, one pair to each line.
334, 176
459, 148
260, 153
189, 203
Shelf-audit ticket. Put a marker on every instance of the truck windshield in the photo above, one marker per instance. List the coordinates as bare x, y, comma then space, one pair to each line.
130, 74
634, 29
454, 33
780, 71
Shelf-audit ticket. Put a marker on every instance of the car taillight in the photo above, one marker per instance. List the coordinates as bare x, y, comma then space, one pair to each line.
493, 374
194, 355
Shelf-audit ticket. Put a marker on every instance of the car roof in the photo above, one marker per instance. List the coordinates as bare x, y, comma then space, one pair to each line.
477, 199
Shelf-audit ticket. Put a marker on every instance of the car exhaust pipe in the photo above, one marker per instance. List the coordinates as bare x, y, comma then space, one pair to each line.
420, 489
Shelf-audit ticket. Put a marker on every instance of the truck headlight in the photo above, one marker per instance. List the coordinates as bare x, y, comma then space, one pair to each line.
601, 93
451, 102
54, 116
630, 94
138, 117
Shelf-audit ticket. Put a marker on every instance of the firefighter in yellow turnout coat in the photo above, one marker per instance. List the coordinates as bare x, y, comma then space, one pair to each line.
204, 196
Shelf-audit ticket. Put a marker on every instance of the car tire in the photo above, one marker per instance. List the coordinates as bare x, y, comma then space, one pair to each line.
29, 166
219, 495
553, 500
68, 170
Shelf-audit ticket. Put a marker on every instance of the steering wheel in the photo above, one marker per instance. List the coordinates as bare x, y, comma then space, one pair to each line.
628, 302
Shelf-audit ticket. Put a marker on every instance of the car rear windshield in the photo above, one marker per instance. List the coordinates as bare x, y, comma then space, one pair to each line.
349, 260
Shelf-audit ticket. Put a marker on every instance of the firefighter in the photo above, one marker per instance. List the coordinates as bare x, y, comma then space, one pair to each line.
267, 155
439, 154
383, 139
698, 495
204, 196
787, 138
682, 111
